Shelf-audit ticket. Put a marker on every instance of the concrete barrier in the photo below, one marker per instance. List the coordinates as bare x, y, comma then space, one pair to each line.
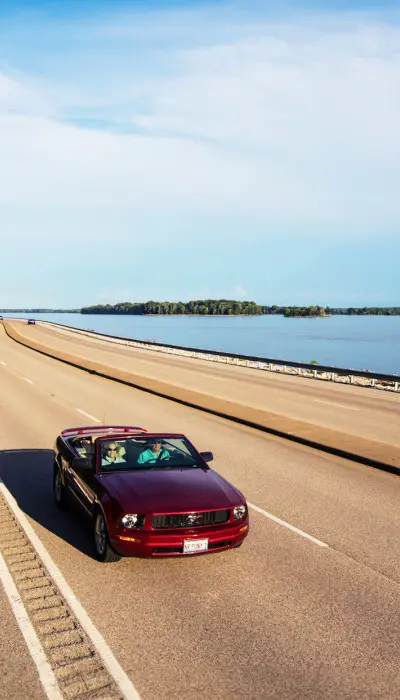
339, 375
362, 450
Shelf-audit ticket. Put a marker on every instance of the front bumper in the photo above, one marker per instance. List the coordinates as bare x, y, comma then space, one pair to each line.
169, 543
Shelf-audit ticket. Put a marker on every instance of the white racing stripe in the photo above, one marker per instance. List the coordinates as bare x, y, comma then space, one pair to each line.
116, 671
287, 525
46, 675
333, 403
96, 420
27, 380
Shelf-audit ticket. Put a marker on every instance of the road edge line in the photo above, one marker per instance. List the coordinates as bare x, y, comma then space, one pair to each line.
115, 669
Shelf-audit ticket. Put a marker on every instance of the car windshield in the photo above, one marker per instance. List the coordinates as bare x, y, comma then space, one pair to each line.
147, 453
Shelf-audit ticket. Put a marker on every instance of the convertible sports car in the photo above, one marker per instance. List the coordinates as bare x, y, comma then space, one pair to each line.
147, 494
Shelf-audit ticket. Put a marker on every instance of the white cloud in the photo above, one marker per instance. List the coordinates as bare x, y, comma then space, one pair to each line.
239, 292
284, 127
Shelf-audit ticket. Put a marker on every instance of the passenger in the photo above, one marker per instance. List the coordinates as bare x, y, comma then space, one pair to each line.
154, 453
83, 446
111, 454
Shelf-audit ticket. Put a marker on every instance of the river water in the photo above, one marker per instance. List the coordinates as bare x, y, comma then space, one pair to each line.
356, 342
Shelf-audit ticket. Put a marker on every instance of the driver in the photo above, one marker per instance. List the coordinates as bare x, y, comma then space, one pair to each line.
154, 453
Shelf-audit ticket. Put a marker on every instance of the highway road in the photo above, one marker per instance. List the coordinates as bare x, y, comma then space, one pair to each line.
283, 618
360, 411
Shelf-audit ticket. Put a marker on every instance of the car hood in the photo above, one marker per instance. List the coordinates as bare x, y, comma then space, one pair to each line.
170, 490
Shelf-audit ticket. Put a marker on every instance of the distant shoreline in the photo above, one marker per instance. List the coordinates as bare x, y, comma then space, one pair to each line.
381, 312
212, 307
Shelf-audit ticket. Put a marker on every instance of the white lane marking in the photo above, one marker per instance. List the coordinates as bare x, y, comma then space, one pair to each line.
333, 403
35, 648
27, 380
289, 527
211, 376
96, 420
3, 363
125, 684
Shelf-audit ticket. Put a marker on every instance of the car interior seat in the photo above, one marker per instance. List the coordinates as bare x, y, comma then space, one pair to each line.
133, 451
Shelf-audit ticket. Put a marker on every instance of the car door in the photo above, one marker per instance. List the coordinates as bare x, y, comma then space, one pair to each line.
82, 482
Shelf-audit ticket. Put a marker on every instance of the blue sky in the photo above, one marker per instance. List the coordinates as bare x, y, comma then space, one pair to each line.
180, 150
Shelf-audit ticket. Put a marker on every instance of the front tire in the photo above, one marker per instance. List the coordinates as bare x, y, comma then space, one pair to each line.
104, 551
59, 490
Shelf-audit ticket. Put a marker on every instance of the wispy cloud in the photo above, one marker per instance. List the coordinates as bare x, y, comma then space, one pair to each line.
239, 292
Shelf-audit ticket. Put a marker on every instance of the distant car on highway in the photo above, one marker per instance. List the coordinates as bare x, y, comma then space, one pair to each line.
31, 321
147, 494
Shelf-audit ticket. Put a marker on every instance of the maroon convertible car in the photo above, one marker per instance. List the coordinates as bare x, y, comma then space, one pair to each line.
147, 494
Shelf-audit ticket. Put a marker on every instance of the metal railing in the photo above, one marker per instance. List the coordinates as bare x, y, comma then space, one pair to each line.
376, 380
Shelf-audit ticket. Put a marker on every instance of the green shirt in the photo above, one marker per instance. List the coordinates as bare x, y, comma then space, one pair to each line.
149, 456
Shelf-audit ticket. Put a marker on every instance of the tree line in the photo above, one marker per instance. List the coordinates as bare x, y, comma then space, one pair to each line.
204, 307
305, 312
230, 307
366, 311
216, 307
40, 311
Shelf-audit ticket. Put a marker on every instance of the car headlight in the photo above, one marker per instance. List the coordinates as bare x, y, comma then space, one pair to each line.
132, 520
239, 512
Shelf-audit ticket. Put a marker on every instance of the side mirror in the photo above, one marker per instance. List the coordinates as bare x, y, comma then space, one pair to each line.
82, 464
207, 456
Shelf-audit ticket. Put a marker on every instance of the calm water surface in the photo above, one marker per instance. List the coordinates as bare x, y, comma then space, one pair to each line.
357, 342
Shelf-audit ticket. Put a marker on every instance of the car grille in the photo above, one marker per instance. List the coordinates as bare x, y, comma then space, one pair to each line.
210, 517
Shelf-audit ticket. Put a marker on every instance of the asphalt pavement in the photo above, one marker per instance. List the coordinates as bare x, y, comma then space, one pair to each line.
281, 618
361, 411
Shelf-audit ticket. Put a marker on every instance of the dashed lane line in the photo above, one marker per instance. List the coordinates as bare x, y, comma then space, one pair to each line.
287, 525
341, 405
46, 674
27, 380
96, 420
81, 659
3, 363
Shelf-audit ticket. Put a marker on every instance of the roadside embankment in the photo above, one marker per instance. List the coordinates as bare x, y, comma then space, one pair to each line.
363, 450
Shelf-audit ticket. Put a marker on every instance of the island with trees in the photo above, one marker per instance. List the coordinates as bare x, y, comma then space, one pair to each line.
305, 312
204, 307
231, 307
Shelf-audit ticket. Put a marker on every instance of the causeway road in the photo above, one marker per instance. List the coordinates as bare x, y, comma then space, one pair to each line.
307, 609
353, 410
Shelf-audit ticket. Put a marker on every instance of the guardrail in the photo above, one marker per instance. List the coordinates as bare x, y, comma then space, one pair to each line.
376, 380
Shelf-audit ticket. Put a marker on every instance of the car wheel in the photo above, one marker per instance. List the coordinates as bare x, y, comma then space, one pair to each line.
239, 544
104, 551
60, 492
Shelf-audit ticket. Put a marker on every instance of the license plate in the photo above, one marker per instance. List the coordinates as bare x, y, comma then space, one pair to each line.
190, 546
